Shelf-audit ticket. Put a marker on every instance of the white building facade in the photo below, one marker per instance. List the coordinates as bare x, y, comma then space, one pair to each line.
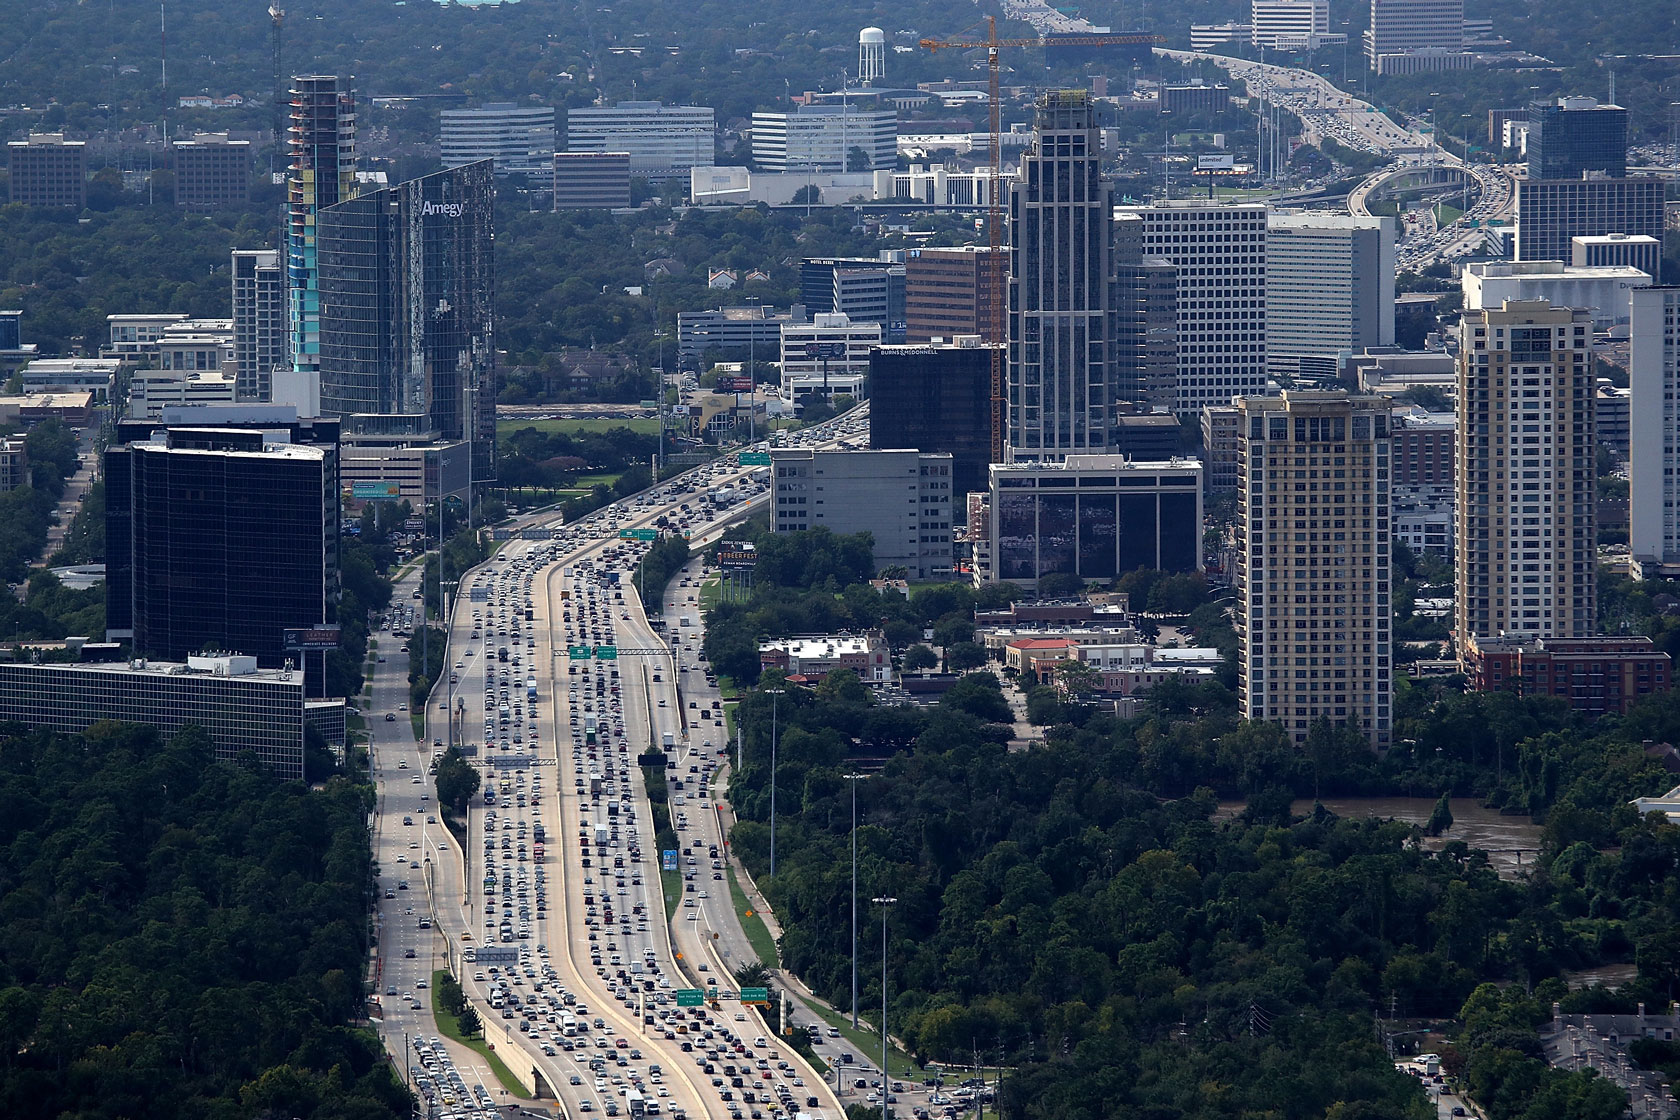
819, 138
519, 138
660, 138
1654, 428
902, 498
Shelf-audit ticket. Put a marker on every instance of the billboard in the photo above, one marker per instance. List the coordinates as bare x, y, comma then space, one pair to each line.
1216, 163
375, 491
735, 384
311, 639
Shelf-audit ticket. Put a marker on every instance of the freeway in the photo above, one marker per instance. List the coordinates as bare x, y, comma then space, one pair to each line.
558, 947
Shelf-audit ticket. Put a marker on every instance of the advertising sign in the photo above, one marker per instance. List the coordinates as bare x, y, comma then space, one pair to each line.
1216, 163
735, 384
825, 349
375, 491
312, 639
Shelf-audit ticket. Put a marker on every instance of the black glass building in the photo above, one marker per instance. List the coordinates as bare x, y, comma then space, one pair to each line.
407, 326
1572, 136
933, 399
220, 539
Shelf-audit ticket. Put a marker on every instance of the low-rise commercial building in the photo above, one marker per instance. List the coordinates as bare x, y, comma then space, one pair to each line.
47, 170
816, 655
241, 707
212, 172
68, 375
14, 464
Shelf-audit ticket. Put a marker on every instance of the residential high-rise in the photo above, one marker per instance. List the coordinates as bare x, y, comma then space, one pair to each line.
212, 172
1329, 290
48, 170
1313, 617
1526, 503
1060, 398
407, 310
900, 496
322, 141
1654, 429
519, 138
822, 137
259, 321
935, 398
1575, 136
1220, 254
1550, 213
660, 138
1401, 27
949, 292
220, 538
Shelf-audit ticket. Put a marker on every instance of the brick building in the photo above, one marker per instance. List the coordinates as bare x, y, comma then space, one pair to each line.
1596, 675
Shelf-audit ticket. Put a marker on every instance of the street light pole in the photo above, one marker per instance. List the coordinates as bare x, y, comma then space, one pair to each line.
886, 1079
775, 696
854, 779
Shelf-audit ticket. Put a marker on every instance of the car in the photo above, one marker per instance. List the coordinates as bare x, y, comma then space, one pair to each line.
390, 717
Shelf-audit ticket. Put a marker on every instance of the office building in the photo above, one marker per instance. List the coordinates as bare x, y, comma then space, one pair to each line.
222, 538
1289, 24
69, 375
1602, 291
950, 292
407, 325
902, 497
518, 138
150, 391
1401, 27
736, 332
1596, 675
1313, 615
591, 180
135, 337
1423, 448
1144, 327
1654, 430
661, 139
1329, 291
259, 321
48, 170
828, 356
212, 172
936, 398
322, 141
1576, 136
1612, 250
1551, 213
868, 291
1613, 413
1220, 256
1220, 452
1527, 524
197, 346
241, 707
11, 330
1195, 99
1148, 436
1094, 516
1061, 394
823, 137
814, 656
14, 464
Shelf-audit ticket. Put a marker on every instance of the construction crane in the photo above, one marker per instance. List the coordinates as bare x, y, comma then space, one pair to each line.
994, 191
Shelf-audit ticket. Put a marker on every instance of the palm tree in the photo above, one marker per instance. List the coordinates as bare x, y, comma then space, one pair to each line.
753, 974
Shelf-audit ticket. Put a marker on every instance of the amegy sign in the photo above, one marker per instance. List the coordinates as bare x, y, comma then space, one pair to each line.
446, 209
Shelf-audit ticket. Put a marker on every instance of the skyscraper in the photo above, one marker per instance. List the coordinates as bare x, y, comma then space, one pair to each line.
935, 398
1527, 525
259, 321
1060, 394
1551, 213
1401, 27
323, 173
1574, 136
866, 290
1313, 625
1329, 290
407, 334
1654, 428
949, 291
220, 538
1220, 255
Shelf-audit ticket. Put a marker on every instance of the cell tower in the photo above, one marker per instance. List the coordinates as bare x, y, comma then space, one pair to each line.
872, 55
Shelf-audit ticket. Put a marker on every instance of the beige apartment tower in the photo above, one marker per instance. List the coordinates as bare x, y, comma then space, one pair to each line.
1313, 622
1527, 523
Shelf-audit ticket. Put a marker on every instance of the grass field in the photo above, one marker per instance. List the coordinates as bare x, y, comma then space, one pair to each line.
446, 1027
758, 934
646, 425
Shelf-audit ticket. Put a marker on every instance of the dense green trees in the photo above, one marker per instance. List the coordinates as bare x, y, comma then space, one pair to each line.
180, 937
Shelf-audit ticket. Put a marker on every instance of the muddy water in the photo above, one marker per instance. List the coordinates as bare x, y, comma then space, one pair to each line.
1509, 841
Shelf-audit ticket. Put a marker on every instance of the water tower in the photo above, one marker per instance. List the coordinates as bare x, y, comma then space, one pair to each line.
872, 55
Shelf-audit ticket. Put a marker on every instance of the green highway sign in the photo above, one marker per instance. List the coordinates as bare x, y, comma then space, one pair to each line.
755, 995
690, 997
607, 653
577, 653
638, 534
755, 458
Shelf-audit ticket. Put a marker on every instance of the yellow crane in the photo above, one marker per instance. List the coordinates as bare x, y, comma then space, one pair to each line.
994, 191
